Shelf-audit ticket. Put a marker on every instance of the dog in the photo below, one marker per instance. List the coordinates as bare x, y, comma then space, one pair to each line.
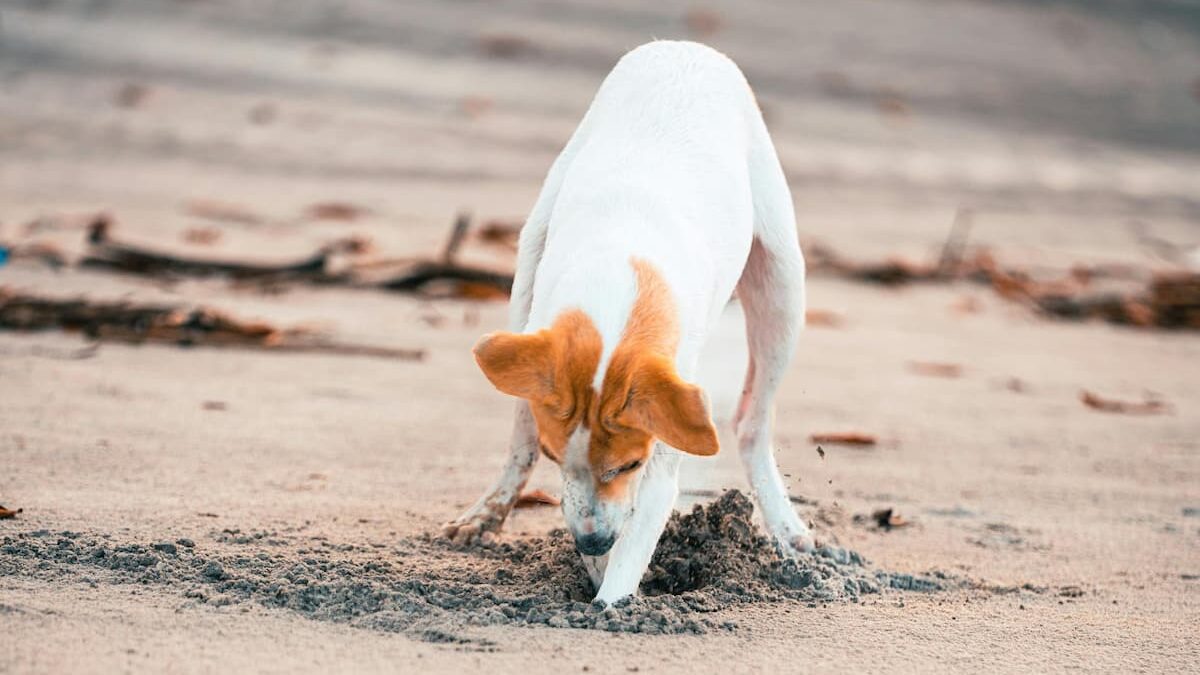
668, 198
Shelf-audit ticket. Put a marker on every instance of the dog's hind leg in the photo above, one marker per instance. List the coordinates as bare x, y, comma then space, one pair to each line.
487, 514
771, 291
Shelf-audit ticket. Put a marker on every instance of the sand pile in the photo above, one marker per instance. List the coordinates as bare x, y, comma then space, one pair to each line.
708, 560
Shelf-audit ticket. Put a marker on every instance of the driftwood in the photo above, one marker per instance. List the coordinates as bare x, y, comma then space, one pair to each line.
424, 274
465, 281
897, 271
1166, 300
182, 326
443, 275
108, 253
890, 272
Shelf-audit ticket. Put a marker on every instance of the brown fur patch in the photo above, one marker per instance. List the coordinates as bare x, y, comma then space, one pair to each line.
642, 397
553, 369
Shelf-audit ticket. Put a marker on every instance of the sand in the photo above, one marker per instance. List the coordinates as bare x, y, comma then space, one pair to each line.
308, 486
708, 561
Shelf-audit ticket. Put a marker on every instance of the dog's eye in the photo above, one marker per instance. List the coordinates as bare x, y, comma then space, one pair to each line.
624, 468
630, 466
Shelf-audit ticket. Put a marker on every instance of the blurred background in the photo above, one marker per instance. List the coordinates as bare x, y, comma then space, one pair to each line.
1058, 121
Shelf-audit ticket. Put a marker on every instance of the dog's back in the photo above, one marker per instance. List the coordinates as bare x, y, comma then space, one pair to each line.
658, 169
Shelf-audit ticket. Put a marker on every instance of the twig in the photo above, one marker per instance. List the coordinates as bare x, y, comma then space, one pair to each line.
844, 438
956, 243
1150, 406
458, 233
425, 273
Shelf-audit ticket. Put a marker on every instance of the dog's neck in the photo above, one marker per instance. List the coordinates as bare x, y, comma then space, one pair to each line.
650, 329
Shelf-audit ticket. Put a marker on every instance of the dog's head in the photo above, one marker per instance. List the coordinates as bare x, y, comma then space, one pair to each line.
602, 437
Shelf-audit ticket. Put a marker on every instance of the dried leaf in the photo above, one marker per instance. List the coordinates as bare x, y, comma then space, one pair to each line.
701, 22
476, 106
505, 45
967, 304
1150, 406
262, 113
888, 519
223, 211
202, 236
933, 369
822, 317
892, 104
844, 438
1016, 384
534, 498
132, 95
338, 211
501, 232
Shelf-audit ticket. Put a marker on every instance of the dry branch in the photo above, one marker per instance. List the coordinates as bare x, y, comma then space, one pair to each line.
182, 326
1166, 300
109, 253
465, 281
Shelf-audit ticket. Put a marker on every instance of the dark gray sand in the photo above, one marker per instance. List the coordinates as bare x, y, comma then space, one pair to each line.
707, 560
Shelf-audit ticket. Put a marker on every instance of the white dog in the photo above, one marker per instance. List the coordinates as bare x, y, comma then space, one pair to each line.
668, 197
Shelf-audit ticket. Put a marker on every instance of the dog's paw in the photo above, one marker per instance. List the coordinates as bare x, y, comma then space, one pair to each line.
794, 545
476, 525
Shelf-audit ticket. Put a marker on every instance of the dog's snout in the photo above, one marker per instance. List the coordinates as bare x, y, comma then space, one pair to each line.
594, 544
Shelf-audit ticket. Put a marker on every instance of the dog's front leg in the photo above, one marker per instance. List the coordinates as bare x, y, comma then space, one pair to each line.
489, 512
630, 555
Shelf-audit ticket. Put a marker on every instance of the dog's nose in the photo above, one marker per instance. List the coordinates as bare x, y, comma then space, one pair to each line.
594, 544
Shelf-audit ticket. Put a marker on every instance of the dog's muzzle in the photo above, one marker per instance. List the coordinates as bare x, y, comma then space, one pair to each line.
594, 544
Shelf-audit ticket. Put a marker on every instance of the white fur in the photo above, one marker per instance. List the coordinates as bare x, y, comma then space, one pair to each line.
673, 164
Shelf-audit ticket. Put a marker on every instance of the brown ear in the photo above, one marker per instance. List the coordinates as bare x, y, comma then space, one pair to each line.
519, 365
670, 409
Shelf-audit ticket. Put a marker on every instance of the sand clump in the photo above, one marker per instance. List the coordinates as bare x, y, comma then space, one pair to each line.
708, 560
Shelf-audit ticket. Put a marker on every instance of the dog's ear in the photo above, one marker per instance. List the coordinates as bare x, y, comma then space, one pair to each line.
664, 406
518, 365
553, 367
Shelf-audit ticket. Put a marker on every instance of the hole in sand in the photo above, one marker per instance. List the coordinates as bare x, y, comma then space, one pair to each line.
708, 560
